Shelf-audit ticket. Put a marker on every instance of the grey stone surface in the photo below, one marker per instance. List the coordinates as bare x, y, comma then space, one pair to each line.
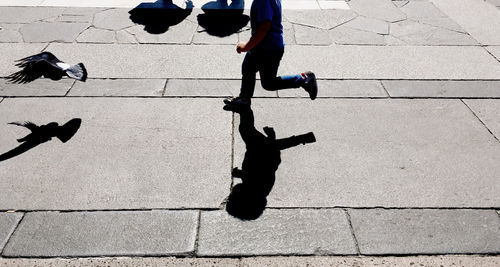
40, 32
311, 36
416, 33
211, 88
124, 37
276, 232
319, 18
93, 35
27, 14
422, 9
485, 28
488, 111
341, 88
445, 23
377, 9
113, 19
10, 36
459, 89
40, 87
369, 25
8, 222
495, 51
379, 153
202, 37
345, 62
119, 87
129, 153
426, 231
12, 52
54, 234
345, 35
181, 33
447, 260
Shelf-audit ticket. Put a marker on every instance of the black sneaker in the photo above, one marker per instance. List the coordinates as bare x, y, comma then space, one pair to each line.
310, 85
237, 101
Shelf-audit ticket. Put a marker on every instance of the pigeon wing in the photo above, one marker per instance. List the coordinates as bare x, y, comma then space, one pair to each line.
32, 71
44, 56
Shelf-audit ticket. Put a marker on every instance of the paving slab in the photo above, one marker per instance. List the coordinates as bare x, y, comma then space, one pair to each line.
113, 19
344, 35
12, 52
341, 88
124, 37
40, 87
378, 9
369, 25
488, 111
416, 33
119, 87
344, 62
319, 19
27, 14
421, 9
276, 232
129, 153
211, 88
459, 89
485, 28
93, 35
405, 232
42, 32
495, 50
305, 35
54, 234
448, 260
8, 222
379, 152
445, 23
181, 33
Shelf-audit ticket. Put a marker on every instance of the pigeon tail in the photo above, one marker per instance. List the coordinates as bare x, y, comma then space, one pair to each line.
77, 72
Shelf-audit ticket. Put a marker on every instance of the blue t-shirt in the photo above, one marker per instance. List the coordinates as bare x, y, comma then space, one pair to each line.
270, 10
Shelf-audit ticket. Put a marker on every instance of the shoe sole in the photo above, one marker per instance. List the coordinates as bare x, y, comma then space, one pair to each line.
314, 88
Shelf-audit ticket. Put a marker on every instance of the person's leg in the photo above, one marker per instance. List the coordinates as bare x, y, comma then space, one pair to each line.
268, 65
248, 71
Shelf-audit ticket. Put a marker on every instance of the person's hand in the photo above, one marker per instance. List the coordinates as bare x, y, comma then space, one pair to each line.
240, 47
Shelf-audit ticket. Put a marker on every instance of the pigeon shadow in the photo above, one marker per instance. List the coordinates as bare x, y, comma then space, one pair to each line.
223, 20
157, 17
247, 200
42, 134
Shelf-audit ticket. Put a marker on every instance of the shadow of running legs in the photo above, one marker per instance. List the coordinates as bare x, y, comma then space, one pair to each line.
247, 200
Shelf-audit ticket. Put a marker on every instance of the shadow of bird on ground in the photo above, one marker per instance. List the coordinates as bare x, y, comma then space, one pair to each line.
159, 16
47, 65
42, 134
222, 20
247, 200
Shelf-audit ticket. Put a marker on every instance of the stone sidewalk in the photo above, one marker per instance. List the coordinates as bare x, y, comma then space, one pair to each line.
406, 123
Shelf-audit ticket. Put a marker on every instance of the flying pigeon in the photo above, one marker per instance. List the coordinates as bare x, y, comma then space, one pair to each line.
47, 65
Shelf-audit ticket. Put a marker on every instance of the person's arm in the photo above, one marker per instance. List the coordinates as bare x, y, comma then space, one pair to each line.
261, 32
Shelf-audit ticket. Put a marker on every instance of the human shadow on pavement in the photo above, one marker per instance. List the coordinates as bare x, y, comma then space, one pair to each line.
221, 19
42, 134
247, 200
157, 17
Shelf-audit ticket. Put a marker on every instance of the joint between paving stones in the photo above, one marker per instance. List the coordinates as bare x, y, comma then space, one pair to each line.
69, 89
164, 90
197, 237
481, 121
348, 217
12, 234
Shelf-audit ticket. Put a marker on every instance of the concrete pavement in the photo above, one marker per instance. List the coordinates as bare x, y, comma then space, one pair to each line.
406, 122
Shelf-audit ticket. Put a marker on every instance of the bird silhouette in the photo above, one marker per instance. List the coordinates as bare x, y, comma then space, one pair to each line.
47, 65
42, 134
